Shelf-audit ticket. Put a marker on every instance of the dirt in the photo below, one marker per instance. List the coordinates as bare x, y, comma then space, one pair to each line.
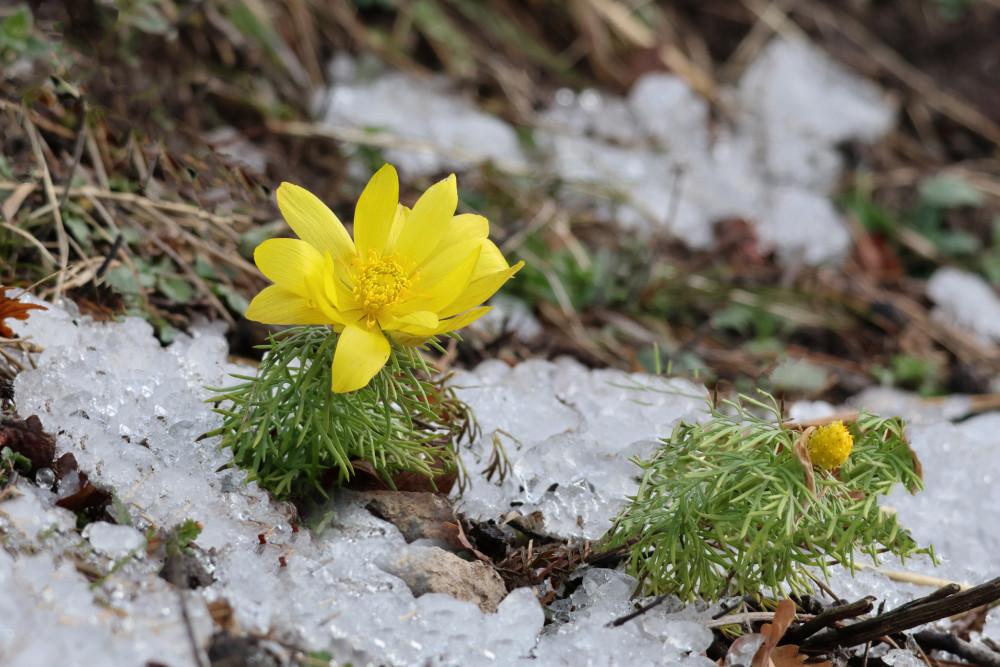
159, 93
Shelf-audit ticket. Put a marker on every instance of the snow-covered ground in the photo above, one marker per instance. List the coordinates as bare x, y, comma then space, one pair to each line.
654, 160
131, 413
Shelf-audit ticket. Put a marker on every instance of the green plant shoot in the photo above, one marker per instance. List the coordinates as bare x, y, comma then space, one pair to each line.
742, 504
296, 437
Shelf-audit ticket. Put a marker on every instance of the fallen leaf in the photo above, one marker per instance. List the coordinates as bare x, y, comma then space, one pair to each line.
28, 439
773, 632
801, 450
789, 656
12, 308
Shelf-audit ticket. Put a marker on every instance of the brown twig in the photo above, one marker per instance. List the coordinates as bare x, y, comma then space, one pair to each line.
945, 641
61, 237
828, 617
950, 104
937, 605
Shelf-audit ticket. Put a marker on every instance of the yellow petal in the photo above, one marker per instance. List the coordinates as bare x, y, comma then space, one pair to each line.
414, 335
408, 339
376, 210
361, 353
462, 229
314, 222
288, 262
465, 319
469, 234
453, 323
335, 284
427, 223
469, 225
318, 298
277, 305
479, 290
491, 260
449, 287
444, 261
422, 319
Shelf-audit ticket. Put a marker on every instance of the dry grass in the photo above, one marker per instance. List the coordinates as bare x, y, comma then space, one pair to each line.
109, 172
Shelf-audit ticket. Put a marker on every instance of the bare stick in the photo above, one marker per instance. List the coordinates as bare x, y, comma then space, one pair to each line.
937, 605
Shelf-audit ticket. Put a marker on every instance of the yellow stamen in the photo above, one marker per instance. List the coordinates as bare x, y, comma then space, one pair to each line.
379, 283
830, 445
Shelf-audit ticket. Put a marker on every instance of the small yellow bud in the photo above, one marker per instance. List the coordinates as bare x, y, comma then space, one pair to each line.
830, 445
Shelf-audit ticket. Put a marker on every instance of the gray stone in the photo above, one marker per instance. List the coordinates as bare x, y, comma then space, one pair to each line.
434, 570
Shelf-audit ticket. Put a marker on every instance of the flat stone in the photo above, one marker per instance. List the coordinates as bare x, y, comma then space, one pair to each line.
434, 570
417, 515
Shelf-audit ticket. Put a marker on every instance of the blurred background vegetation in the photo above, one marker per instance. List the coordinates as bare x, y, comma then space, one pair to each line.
117, 186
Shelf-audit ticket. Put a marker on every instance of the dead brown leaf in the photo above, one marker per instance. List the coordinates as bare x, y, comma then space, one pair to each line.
773, 632
772, 655
12, 308
789, 656
801, 451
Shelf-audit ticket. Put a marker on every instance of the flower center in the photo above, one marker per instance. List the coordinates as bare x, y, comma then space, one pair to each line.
830, 445
379, 283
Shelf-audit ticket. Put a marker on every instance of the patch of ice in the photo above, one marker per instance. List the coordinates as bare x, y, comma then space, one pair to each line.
991, 627
669, 112
591, 113
774, 166
582, 632
799, 104
446, 132
114, 540
131, 411
569, 434
889, 401
959, 463
966, 301
653, 160
803, 226
898, 657
806, 410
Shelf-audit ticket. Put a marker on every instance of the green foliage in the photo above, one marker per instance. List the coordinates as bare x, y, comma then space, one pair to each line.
726, 507
181, 536
753, 321
448, 38
990, 257
317, 659
954, 10
579, 278
17, 39
162, 275
296, 437
925, 376
798, 375
146, 16
11, 461
921, 236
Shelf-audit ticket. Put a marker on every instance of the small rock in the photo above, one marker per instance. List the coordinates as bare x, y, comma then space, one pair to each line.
434, 570
187, 571
417, 515
28, 439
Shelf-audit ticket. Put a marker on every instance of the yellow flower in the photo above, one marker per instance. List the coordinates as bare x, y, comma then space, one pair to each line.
830, 445
411, 274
